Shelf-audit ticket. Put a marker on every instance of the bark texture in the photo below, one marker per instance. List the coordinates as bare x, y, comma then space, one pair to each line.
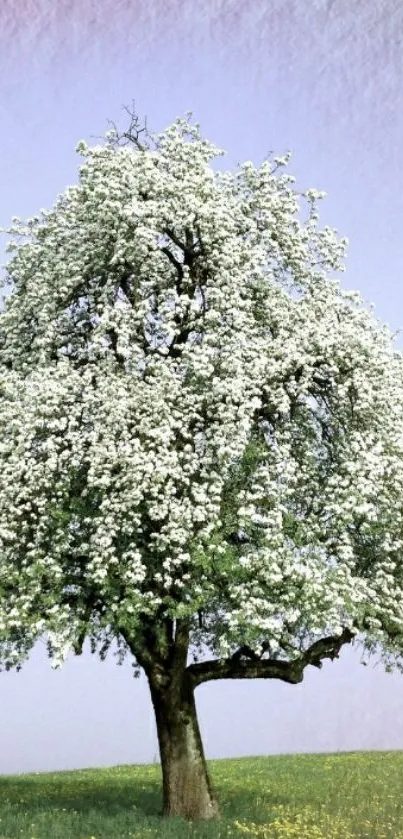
187, 789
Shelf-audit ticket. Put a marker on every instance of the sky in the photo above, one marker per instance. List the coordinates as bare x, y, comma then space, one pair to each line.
321, 78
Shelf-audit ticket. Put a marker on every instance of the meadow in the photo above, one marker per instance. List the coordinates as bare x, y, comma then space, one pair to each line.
325, 796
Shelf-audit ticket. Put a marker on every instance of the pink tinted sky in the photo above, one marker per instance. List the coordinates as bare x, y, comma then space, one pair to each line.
322, 78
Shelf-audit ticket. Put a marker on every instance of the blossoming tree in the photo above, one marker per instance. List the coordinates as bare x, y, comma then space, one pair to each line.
201, 434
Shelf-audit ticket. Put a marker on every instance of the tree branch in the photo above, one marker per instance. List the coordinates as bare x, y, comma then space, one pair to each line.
175, 239
326, 648
177, 265
230, 668
288, 671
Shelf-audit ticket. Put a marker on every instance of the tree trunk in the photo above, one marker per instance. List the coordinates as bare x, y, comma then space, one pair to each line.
187, 790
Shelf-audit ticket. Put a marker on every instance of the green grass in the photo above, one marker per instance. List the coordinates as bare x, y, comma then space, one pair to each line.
337, 796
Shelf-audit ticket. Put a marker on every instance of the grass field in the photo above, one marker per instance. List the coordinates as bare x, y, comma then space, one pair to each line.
336, 796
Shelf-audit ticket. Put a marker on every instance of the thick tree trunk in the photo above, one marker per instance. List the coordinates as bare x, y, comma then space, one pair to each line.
187, 790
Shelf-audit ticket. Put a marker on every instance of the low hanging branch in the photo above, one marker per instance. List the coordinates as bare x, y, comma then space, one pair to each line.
255, 668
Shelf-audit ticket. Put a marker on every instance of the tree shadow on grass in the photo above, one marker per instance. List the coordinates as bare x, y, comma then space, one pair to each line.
110, 795
113, 798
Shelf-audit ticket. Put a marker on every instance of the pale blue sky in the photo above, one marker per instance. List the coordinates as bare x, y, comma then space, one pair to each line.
322, 78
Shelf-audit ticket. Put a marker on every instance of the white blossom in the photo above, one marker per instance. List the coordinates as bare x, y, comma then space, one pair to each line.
179, 362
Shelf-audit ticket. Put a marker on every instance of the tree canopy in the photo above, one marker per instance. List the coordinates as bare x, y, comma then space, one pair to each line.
201, 431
